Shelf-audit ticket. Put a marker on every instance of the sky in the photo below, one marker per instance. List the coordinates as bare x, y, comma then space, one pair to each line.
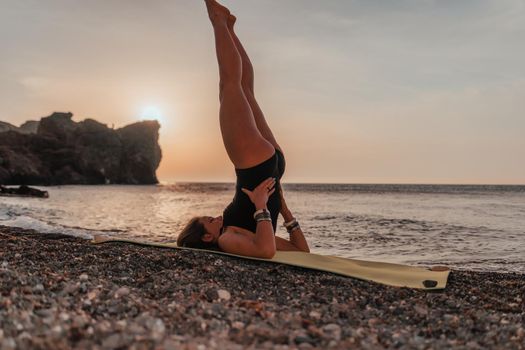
355, 91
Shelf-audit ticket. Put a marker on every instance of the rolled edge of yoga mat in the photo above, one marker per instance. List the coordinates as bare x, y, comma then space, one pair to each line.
390, 274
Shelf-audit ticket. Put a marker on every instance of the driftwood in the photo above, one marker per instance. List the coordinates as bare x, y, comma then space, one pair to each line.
22, 191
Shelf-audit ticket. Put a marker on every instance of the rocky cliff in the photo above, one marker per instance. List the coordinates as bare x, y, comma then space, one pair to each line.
63, 151
29, 127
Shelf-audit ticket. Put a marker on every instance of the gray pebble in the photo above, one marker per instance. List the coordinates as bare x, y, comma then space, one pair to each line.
238, 325
112, 342
332, 330
8, 344
315, 315
303, 338
224, 294
121, 292
71, 288
211, 294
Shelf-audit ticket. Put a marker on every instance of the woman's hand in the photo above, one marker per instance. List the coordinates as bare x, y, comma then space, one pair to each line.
260, 194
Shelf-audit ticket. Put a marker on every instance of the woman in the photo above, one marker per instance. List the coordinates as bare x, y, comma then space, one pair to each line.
248, 224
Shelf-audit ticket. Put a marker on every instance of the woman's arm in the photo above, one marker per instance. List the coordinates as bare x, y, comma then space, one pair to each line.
262, 245
297, 240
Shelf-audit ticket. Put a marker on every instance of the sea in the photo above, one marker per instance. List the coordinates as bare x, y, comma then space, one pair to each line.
465, 227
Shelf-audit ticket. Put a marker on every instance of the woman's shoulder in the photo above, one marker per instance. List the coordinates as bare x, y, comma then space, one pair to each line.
234, 230
233, 235
239, 241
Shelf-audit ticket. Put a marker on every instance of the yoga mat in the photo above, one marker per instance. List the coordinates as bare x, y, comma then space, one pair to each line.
385, 273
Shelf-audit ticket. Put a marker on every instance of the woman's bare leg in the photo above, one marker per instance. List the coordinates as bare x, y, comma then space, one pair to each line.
244, 143
247, 83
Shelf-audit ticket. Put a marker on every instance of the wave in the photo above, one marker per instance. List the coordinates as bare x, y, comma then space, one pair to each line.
42, 226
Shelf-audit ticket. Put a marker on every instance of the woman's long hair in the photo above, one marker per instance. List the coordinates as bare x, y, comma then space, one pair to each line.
191, 236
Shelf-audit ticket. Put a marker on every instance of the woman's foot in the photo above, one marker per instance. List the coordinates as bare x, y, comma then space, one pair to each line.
217, 12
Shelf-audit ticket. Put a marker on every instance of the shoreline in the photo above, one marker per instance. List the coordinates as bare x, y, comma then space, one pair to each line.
61, 292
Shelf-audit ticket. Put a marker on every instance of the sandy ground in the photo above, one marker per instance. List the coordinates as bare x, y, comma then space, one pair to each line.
59, 292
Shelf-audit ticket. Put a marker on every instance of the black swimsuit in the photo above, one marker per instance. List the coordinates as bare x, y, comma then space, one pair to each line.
240, 211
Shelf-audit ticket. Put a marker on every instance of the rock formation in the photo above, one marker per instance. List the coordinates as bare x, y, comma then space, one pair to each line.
66, 152
29, 127
7, 127
22, 191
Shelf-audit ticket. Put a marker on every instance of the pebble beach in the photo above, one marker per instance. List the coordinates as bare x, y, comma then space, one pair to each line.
62, 292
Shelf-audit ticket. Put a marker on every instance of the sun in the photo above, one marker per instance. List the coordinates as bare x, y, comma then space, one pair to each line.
151, 113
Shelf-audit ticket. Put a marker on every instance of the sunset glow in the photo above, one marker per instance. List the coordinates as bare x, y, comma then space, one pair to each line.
152, 113
354, 91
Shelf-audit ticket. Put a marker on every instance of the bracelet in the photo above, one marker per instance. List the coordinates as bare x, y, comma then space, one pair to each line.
260, 211
264, 219
293, 227
263, 216
290, 223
